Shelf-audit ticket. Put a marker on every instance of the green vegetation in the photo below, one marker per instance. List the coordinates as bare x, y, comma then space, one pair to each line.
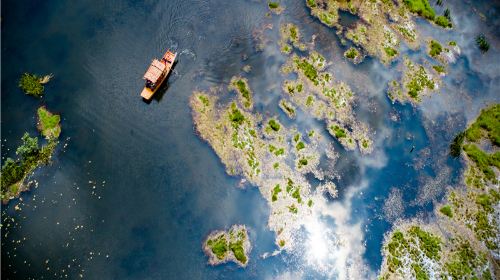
274, 125
456, 145
238, 251
416, 241
276, 191
443, 21
31, 85
296, 137
351, 53
243, 89
483, 160
390, 51
300, 146
421, 7
224, 243
364, 143
236, 116
302, 162
418, 82
273, 5
204, 100
30, 156
482, 43
439, 68
311, 3
287, 107
429, 243
296, 195
282, 243
452, 43
310, 203
464, 263
338, 131
308, 69
487, 123
48, 123
310, 100
218, 246
446, 210
293, 209
435, 48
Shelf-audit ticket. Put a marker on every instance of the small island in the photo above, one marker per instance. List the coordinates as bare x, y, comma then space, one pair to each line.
32, 84
30, 155
225, 246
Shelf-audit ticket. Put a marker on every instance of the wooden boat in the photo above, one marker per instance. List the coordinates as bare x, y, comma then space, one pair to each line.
157, 73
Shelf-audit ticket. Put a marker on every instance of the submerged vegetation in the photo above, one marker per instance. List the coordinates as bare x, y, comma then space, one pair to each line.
482, 43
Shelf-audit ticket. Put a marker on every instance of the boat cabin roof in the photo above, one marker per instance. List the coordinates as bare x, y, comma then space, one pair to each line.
154, 71
169, 56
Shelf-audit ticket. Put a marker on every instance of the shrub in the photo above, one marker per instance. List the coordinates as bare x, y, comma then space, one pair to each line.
30, 84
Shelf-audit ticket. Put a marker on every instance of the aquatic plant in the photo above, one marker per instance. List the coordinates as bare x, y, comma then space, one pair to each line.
308, 69
275, 192
446, 210
236, 116
439, 68
390, 51
482, 43
274, 125
351, 53
300, 146
435, 48
456, 144
31, 85
273, 5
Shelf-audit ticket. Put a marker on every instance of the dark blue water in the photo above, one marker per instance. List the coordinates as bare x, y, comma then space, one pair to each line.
135, 191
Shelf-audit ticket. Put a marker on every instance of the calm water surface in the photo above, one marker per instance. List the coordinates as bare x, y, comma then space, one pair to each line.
132, 191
